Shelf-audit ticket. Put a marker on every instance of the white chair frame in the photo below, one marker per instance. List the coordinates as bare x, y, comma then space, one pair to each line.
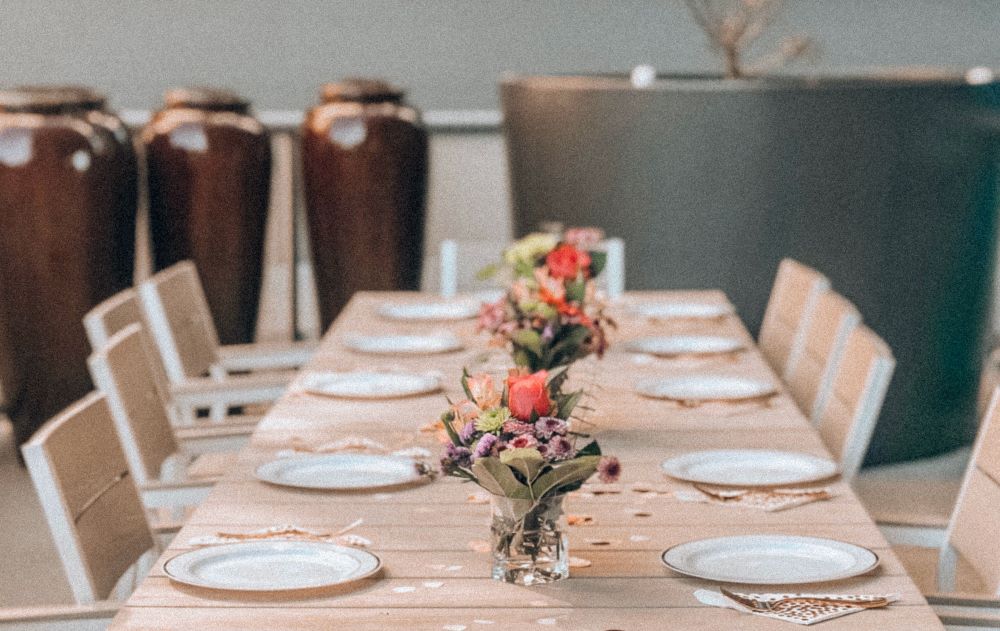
788, 313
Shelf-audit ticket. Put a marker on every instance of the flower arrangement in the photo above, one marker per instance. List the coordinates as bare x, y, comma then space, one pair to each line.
549, 316
517, 442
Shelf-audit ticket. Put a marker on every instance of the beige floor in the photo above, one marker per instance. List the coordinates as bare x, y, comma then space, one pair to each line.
30, 573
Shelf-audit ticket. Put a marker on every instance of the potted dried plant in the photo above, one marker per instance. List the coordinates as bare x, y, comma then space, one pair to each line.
885, 180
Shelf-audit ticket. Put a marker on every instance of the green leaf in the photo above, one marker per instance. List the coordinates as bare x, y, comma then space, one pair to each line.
491, 270
465, 384
529, 339
590, 449
576, 291
573, 471
569, 343
528, 461
452, 434
598, 260
567, 403
498, 479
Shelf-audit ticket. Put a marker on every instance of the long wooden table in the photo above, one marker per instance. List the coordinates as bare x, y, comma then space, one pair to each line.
430, 537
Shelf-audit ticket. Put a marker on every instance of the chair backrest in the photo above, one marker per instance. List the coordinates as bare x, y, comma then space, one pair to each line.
975, 522
810, 379
90, 501
180, 321
794, 294
848, 416
122, 370
110, 316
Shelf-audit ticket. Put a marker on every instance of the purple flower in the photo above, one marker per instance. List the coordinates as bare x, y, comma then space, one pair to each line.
609, 469
560, 449
548, 333
518, 427
467, 432
523, 442
457, 456
485, 446
549, 426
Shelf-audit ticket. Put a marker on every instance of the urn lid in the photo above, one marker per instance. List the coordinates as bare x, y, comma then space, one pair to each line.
360, 90
51, 99
206, 98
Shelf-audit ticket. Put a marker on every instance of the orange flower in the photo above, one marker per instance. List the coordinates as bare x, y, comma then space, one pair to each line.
567, 262
528, 394
483, 390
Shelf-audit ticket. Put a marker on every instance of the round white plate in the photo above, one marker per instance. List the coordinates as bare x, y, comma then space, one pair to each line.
769, 559
673, 345
272, 566
442, 311
369, 385
749, 467
403, 344
705, 387
340, 472
692, 310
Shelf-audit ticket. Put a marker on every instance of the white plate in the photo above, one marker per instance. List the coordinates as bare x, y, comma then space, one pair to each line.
443, 311
673, 345
749, 467
705, 387
403, 344
340, 472
369, 385
692, 310
272, 566
769, 559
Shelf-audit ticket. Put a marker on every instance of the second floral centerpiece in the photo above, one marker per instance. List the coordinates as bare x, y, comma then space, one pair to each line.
517, 442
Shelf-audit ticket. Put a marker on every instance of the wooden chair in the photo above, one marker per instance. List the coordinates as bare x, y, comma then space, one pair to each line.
97, 520
122, 309
810, 379
794, 295
168, 472
847, 418
958, 567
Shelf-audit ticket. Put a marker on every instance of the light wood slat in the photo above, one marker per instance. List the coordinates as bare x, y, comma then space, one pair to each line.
423, 619
580, 593
422, 531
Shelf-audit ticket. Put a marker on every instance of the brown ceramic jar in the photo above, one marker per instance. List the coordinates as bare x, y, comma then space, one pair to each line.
209, 166
365, 170
67, 226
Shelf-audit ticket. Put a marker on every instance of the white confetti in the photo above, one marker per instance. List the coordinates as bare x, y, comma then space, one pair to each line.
638, 538
485, 621
437, 566
354, 541
578, 562
454, 627
404, 589
453, 568
539, 603
433, 584
546, 621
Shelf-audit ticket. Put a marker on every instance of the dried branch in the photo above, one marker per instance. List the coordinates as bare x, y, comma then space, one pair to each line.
732, 26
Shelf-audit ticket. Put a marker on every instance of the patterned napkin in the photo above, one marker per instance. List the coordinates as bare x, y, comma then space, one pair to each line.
799, 613
769, 500
284, 533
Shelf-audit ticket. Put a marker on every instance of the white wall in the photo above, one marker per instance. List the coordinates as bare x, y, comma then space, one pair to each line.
448, 52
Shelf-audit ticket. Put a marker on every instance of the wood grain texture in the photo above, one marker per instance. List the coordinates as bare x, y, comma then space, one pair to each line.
427, 534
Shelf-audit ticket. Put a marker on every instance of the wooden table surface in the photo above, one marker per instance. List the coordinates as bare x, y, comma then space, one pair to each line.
430, 537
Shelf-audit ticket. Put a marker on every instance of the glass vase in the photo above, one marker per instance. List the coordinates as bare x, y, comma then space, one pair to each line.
528, 540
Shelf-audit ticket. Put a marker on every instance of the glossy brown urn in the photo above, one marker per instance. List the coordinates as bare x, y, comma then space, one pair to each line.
365, 170
67, 228
209, 166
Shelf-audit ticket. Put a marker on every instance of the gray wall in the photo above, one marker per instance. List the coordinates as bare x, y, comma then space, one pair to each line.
448, 52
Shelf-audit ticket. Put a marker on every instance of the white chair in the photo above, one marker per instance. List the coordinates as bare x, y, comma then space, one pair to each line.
216, 393
97, 520
168, 471
459, 263
847, 418
810, 379
793, 298
958, 567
